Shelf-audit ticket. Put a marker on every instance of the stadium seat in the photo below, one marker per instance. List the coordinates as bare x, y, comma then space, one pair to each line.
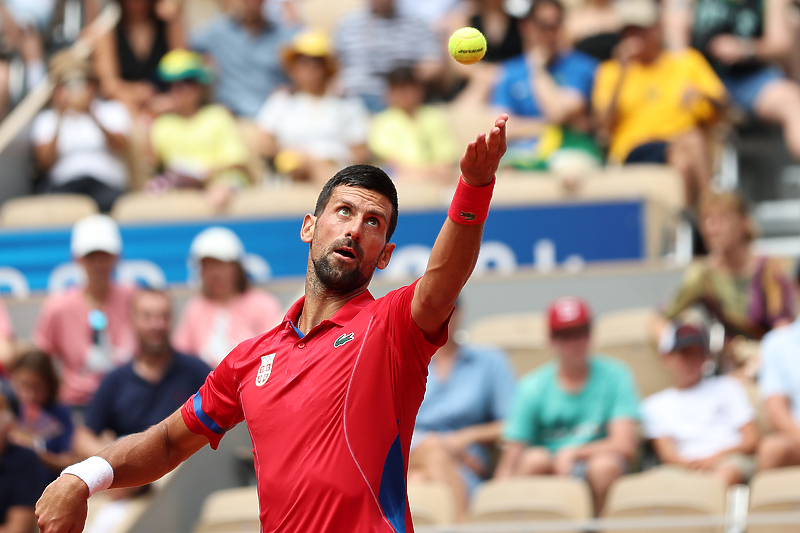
522, 335
775, 491
229, 510
432, 503
170, 206
274, 202
532, 498
46, 210
514, 187
666, 491
626, 335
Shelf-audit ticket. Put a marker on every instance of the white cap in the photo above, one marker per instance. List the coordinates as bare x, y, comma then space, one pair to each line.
218, 243
95, 233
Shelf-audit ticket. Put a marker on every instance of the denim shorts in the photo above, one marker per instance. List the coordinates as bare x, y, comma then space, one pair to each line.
745, 88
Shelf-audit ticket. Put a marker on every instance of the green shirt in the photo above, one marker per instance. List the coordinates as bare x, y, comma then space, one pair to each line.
544, 414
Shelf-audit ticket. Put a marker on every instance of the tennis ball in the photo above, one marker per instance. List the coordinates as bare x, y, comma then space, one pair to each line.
467, 46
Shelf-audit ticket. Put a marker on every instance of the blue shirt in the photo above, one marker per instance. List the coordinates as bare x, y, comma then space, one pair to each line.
478, 390
248, 66
780, 365
514, 91
125, 403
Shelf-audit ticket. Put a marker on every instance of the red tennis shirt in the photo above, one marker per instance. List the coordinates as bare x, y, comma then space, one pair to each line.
330, 414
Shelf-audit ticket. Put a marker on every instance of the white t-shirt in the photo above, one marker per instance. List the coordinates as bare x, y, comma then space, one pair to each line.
702, 420
325, 127
82, 147
780, 366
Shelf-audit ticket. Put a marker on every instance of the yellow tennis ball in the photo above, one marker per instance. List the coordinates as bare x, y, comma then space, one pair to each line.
467, 46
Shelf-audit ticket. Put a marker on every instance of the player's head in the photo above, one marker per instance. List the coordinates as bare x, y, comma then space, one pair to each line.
570, 322
355, 216
151, 320
684, 349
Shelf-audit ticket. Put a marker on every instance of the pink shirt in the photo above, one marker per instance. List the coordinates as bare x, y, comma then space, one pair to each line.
63, 331
6, 329
211, 330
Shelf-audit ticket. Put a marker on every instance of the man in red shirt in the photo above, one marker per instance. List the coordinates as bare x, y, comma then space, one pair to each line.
331, 394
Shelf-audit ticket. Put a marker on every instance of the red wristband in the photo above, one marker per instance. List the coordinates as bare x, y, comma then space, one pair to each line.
470, 204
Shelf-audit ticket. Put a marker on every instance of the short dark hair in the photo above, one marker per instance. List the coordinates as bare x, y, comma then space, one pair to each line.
536, 4
153, 291
364, 176
42, 365
401, 76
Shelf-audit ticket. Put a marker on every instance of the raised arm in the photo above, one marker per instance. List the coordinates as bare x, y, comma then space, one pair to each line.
456, 249
136, 460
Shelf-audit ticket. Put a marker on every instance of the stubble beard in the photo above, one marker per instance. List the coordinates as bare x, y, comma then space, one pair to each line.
340, 279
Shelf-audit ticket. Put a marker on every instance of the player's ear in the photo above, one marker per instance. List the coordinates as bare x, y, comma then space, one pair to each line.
307, 229
386, 255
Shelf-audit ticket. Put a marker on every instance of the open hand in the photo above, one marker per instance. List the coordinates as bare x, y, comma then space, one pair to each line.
63, 506
482, 157
727, 49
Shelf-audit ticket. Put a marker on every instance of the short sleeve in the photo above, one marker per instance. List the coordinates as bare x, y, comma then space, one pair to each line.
737, 402
520, 423
703, 76
690, 290
269, 116
579, 75
503, 383
772, 376
6, 328
215, 408
626, 397
44, 127
114, 117
604, 84
654, 419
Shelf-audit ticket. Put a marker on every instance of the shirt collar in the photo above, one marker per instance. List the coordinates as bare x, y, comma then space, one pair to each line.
344, 315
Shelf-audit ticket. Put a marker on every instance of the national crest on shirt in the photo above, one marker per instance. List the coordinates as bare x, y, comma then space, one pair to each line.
265, 369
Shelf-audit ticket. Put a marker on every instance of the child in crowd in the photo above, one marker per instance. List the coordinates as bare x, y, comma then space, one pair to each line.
704, 424
44, 424
413, 138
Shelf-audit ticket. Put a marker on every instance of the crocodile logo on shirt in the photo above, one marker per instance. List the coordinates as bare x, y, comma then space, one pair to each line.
265, 369
344, 339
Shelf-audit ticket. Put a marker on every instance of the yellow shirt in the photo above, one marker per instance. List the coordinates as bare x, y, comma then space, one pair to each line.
209, 139
650, 103
425, 139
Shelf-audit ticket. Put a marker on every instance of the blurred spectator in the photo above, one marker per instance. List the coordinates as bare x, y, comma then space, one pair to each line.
309, 132
86, 328
700, 424
80, 140
576, 416
126, 59
468, 395
547, 85
779, 388
593, 27
149, 388
228, 311
6, 338
245, 49
748, 294
376, 40
434, 12
21, 23
742, 41
19, 489
197, 145
414, 138
652, 104
44, 424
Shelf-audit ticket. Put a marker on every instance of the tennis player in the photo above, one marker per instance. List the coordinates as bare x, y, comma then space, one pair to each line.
330, 395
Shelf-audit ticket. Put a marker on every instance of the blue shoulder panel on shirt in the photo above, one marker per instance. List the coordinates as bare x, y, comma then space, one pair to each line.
204, 418
392, 495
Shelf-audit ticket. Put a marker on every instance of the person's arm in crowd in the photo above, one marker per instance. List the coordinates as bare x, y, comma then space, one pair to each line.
86, 442
747, 446
559, 104
667, 451
116, 140
509, 459
623, 437
606, 117
46, 154
171, 12
19, 519
456, 249
779, 414
775, 45
462, 438
359, 153
136, 460
676, 21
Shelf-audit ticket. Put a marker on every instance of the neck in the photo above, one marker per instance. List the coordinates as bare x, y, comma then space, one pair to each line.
254, 24
98, 291
736, 258
151, 366
573, 373
321, 302
316, 91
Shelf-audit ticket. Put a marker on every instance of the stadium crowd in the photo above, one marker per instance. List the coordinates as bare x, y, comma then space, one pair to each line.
254, 96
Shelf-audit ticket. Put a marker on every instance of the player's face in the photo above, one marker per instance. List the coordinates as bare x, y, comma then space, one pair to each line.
151, 321
348, 239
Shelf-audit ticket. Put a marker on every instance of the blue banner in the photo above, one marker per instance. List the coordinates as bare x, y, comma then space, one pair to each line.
542, 235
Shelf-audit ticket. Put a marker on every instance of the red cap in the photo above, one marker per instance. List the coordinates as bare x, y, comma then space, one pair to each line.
568, 312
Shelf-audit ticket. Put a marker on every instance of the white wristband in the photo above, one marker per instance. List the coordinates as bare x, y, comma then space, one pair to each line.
94, 471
